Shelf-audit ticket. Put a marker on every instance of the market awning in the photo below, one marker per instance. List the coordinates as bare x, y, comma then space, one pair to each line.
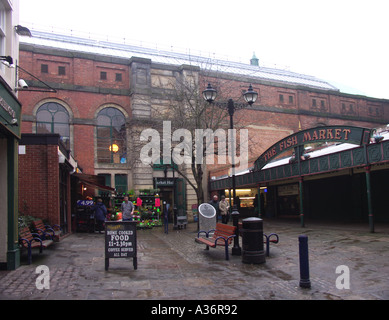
92, 181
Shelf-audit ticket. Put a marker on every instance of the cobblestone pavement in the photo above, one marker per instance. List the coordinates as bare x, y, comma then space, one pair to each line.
173, 266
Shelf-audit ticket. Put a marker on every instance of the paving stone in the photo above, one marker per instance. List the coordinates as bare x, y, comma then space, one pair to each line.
174, 267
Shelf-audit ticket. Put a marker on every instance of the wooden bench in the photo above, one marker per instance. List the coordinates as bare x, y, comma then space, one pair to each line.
43, 229
30, 240
222, 236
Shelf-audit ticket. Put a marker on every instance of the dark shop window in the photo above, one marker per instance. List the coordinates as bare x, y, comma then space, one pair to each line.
61, 71
121, 183
119, 77
44, 68
103, 75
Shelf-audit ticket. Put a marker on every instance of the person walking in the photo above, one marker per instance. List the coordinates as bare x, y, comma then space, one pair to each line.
215, 203
224, 206
100, 214
127, 208
166, 207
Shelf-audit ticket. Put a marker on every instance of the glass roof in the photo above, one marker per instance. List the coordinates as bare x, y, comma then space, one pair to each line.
126, 51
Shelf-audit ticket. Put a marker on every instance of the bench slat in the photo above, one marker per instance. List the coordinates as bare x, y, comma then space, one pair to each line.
225, 231
205, 241
41, 228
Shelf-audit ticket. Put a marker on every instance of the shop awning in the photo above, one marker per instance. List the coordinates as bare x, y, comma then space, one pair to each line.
92, 181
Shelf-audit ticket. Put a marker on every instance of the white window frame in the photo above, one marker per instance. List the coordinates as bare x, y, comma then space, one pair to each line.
3, 23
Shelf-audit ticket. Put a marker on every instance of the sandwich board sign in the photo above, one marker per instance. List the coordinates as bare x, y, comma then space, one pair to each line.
120, 241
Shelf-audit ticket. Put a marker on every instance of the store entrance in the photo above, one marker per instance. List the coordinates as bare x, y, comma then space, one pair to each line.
288, 206
288, 201
167, 197
173, 191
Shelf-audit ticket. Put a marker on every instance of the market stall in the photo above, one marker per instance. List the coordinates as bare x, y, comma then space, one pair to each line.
148, 208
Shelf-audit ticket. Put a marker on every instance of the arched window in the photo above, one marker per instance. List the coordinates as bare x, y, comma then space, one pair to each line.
51, 117
111, 136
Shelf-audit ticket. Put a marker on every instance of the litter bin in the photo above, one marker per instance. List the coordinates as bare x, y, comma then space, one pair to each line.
252, 241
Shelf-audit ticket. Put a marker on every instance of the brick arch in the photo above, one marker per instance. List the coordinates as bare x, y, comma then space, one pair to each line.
55, 100
64, 105
111, 105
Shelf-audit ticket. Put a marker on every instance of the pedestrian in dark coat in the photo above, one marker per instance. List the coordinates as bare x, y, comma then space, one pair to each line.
100, 214
215, 203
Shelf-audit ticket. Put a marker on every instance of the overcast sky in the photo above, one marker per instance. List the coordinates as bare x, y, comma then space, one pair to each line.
345, 42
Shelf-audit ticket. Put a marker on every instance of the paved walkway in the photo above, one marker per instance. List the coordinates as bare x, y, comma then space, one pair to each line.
173, 266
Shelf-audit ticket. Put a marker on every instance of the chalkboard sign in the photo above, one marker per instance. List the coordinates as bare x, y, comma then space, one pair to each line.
120, 241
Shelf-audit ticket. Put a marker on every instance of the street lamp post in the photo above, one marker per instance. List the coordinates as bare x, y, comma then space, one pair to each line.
250, 97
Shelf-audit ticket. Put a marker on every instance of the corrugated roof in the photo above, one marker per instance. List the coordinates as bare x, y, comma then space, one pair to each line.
106, 48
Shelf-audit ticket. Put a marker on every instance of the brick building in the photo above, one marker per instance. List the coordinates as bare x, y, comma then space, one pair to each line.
10, 119
45, 166
101, 87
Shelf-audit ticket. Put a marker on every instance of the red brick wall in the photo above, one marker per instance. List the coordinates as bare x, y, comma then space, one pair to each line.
272, 120
83, 103
78, 71
84, 148
39, 182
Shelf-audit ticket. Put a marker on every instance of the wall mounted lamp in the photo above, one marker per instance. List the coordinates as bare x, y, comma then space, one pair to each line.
7, 60
14, 123
23, 31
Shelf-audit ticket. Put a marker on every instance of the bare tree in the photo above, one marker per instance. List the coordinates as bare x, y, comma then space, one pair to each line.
197, 129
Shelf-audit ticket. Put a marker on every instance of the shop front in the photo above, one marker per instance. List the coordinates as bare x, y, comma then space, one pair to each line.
166, 188
172, 191
246, 200
85, 189
334, 173
288, 201
10, 112
150, 205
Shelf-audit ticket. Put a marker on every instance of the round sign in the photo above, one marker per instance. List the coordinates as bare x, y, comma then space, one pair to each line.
207, 210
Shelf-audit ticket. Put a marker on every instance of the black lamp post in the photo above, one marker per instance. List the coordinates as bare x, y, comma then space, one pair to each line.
250, 97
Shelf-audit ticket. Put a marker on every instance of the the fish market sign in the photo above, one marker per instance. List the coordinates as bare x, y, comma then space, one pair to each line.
354, 135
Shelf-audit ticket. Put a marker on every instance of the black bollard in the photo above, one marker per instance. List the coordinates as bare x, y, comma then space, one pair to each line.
304, 262
236, 250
